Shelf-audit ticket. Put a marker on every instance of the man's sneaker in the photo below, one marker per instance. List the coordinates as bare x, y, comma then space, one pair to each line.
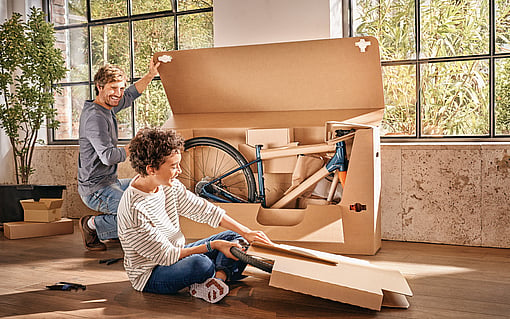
90, 238
211, 290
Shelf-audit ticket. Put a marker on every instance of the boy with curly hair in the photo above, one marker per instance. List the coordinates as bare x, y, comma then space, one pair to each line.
156, 257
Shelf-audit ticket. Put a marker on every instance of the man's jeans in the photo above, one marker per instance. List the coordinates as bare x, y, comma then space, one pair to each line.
106, 200
195, 268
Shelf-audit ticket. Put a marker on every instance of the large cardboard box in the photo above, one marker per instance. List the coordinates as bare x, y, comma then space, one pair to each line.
335, 277
18, 230
295, 85
44, 210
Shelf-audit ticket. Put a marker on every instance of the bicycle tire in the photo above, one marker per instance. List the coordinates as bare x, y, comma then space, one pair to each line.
206, 158
250, 260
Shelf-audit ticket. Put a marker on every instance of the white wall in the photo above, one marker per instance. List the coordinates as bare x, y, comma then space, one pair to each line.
242, 22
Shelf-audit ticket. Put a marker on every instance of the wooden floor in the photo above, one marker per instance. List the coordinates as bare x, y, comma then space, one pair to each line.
447, 282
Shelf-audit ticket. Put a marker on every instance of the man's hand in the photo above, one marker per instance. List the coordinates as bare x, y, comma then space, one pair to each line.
153, 68
142, 84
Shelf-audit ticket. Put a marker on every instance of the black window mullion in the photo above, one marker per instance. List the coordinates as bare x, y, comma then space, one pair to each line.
492, 68
176, 30
417, 27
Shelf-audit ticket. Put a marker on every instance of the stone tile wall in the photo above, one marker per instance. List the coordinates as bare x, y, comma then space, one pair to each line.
451, 194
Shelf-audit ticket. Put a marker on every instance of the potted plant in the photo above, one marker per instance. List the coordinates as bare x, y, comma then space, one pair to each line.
30, 68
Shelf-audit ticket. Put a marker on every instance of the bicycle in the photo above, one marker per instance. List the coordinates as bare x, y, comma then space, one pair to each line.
217, 171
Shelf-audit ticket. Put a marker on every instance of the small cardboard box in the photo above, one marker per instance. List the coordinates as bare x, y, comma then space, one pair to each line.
17, 230
296, 85
44, 210
347, 280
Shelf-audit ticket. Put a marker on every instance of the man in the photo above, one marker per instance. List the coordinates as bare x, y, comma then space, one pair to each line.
98, 184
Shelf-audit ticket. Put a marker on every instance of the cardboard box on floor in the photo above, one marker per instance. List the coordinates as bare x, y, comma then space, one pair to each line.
44, 210
349, 280
222, 92
18, 230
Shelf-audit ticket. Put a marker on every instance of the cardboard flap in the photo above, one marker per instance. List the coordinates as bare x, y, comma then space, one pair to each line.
349, 272
332, 76
43, 203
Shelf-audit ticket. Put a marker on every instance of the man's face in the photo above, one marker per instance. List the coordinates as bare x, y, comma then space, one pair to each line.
111, 93
169, 170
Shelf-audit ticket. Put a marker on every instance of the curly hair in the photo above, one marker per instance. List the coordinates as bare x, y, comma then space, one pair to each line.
107, 74
150, 146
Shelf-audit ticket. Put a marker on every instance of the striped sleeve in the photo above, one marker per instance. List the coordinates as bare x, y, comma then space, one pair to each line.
196, 208
141, 238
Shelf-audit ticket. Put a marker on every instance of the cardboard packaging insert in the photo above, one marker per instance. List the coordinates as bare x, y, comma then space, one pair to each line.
222, 92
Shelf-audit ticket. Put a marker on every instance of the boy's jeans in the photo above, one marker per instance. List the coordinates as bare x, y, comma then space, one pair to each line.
195, 268
106, 200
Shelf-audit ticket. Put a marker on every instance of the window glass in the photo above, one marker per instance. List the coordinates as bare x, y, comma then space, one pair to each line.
455, 100
110, 45
400, 100
502, 26
74, 45
69, 104
502, 100
195, 31
152, 108
183, 5
454, 28
391, 22
146, 6
68, 12
101, 9
151, 36
124, 123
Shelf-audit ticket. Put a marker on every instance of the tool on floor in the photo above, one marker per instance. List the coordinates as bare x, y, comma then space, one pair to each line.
66, 286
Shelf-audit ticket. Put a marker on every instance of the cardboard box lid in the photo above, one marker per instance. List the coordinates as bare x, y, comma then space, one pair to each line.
43, 203
294, 84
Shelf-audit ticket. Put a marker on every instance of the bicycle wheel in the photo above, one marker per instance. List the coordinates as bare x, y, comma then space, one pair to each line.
251, 260
206, 159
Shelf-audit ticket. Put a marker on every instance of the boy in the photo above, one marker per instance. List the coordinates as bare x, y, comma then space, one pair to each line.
155, 255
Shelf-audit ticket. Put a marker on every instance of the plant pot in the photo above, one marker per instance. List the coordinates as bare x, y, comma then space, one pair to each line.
10, 195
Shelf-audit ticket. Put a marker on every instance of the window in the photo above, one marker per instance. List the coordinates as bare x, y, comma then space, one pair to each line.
446, 65
127, 33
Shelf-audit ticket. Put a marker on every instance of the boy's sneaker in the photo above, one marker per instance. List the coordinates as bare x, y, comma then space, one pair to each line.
211, 290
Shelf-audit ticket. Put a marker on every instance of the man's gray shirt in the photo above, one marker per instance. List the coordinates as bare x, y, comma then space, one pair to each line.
99, 154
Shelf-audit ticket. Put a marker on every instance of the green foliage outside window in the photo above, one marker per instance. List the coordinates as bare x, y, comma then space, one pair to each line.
455, 98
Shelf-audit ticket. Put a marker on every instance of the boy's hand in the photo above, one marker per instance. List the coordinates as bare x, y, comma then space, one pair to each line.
224, 247
257, 235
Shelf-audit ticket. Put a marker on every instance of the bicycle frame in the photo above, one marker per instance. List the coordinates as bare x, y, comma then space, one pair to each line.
337, 163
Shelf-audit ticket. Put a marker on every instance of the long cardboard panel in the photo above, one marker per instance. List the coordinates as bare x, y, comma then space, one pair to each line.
275, 119
317, 75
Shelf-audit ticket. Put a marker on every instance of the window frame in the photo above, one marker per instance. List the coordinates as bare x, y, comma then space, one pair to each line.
418, 62
348, 27
129, 19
